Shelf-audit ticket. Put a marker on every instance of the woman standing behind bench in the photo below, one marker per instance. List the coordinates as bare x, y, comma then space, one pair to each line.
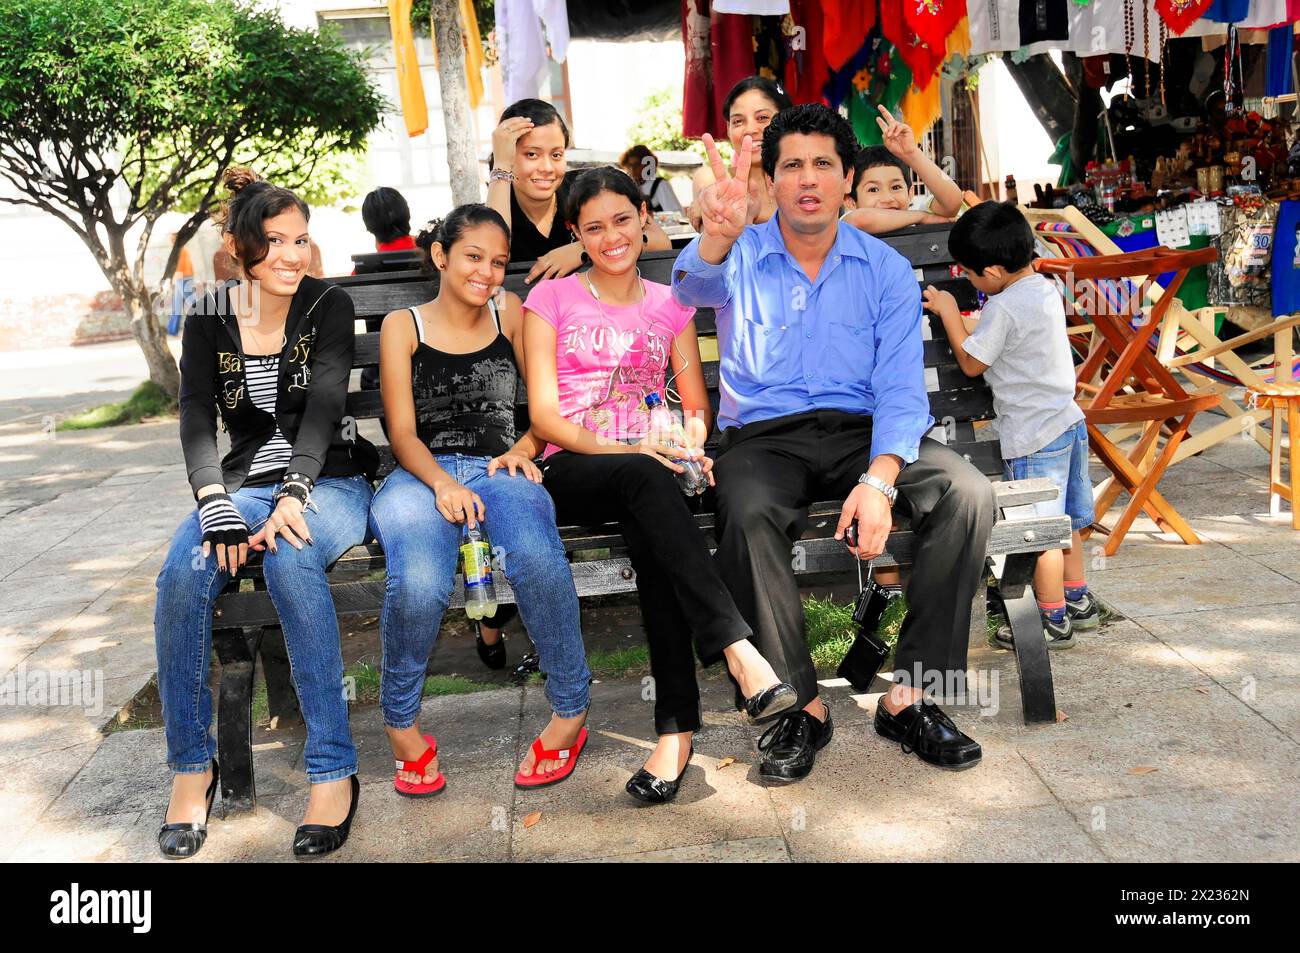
597, 344
449, 371
271, 355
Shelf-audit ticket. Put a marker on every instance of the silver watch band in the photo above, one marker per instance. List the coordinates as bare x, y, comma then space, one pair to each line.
890, 492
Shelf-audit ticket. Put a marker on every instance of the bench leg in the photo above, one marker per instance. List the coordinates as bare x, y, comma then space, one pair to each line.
236, 649
1037, 695
281, 699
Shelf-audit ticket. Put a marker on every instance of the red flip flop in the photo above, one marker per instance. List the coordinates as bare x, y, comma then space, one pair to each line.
541, 754
418, 789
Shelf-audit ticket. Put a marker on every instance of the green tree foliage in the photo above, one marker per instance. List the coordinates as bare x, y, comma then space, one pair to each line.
112, 114
659, 126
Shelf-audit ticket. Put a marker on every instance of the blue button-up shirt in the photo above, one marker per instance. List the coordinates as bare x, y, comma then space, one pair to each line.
851, 340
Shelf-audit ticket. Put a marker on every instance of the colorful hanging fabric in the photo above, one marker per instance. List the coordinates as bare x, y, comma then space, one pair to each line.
921, 58
1180, 14
884, 80
1228, 11
958, 40
698, 108
847, 24
770, 48
1281, 47
731, 42
806, 69
410, 88
921, 107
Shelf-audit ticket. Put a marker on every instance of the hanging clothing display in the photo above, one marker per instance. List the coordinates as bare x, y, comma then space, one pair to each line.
1180, 14
521, 46
762, 8
731, 43
1281, 50
847, 22
410, 87
698, 108
806, 69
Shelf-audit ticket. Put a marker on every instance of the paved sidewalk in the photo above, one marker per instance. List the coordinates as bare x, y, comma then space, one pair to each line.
1180, 742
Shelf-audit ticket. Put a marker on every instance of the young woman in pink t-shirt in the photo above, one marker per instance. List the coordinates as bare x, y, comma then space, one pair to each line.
596, 343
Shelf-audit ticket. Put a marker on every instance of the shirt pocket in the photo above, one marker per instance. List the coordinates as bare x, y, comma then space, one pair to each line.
764, 348
850, 354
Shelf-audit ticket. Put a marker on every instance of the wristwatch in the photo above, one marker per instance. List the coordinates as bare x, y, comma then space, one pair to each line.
891, 492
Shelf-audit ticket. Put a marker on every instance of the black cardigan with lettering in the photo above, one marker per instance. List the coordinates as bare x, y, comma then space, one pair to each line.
310, 404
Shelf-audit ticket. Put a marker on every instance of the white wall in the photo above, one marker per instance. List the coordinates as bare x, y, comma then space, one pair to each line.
1014, 139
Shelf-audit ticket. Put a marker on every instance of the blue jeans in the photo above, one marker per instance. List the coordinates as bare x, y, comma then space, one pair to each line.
421, 549
1064, 461
295, 579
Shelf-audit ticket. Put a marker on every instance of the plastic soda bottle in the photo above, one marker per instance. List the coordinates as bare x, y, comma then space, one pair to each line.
476, 558
662, 422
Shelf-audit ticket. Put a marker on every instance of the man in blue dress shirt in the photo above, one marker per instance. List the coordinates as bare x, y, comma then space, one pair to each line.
823, 395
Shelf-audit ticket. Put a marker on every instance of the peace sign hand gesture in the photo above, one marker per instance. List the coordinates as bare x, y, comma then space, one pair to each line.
724, 205
899, 138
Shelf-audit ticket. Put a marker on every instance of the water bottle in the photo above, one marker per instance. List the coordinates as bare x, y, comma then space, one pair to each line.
476, 558
667, 428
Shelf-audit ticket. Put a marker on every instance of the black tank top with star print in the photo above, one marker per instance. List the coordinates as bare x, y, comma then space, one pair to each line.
465, 403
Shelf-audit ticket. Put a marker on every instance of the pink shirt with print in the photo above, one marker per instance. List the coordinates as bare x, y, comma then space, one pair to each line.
607, 363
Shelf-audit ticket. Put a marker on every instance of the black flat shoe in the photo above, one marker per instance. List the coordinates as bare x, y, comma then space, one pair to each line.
177, 841
316, 840
925, 729
494, 655
770, 702
644, 786
790, 746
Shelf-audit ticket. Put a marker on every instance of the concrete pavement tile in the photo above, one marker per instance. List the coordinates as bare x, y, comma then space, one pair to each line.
1276, 700
1192, 740
1231, 645
1254, 535
1236, 493
73, 840
1120, 659
591, 815
21, 594
474, 731
1191, 587
127, 774
31, 731
1028, 835
40, 623
753, 850
1141, 550
1245, 824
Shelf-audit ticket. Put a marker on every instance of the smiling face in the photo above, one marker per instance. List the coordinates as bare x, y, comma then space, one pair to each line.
882, 186
288, 254
610, 229
475, 265
539, 162
809, 182
749, 116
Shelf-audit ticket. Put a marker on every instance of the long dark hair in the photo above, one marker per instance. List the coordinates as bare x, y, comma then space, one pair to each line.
595, 181
252, 201
448, 231
775, 94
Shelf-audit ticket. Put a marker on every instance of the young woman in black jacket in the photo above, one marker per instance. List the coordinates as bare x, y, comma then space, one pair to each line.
271, 355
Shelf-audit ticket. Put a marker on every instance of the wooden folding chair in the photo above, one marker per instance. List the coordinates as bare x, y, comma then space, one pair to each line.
1185, 342
1122, 381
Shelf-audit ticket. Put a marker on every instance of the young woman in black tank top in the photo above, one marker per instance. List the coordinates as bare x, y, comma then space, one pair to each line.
449, 372
528, 186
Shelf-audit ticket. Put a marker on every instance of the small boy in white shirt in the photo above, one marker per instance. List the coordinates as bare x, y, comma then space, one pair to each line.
1019, 345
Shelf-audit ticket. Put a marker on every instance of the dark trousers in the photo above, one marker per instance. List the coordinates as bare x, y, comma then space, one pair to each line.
770, 471
683, 599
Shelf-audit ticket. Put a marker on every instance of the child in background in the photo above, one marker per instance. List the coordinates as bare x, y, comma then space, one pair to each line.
882, 199
1019, 345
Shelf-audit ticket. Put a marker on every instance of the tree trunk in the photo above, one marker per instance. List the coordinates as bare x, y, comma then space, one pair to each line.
152, 339
450, 44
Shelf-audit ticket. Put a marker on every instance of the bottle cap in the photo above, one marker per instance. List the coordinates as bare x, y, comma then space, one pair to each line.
653, 399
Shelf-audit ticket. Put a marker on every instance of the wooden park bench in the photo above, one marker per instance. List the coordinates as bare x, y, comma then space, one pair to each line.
598, 555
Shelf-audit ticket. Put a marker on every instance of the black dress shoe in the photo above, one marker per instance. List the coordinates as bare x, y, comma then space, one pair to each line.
924, 728
770, 702
316, 840
644, 786
790, 746
494, 655
528, 665
184, 840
